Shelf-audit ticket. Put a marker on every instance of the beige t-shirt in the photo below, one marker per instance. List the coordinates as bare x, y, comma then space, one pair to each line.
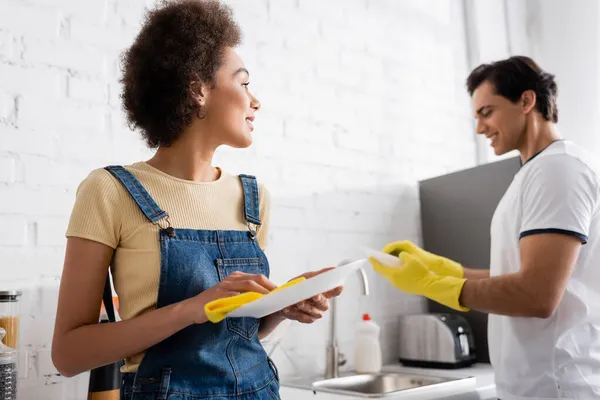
105, 212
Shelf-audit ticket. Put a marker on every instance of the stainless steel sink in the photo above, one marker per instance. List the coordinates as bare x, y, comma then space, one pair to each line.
377, 384
387, 384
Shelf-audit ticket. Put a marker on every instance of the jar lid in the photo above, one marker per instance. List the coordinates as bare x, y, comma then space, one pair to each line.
8, 296
7, 354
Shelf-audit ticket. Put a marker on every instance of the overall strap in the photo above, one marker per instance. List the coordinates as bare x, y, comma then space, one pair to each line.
140, 195
107, 300
147, 206
251, 200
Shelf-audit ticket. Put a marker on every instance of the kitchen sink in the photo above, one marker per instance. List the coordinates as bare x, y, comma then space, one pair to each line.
383, 384
377, 384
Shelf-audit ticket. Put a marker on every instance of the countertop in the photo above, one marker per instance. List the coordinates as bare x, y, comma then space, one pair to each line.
482, 388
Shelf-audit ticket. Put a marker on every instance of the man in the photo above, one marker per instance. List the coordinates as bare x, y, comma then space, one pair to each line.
543, 286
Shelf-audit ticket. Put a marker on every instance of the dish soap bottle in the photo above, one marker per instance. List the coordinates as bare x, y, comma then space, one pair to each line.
367, 352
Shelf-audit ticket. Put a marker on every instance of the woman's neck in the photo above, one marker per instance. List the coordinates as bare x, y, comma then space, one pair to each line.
189, 161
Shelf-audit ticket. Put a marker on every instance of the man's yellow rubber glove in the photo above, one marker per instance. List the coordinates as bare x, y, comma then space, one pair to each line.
438, 264
217, 310
415, 278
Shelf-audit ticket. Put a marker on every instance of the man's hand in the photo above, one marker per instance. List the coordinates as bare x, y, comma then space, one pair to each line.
415, 278
438, 264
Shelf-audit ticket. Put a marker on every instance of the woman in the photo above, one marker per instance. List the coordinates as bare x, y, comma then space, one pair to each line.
177, 232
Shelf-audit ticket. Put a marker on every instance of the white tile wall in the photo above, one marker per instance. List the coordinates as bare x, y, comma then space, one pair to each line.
361, 98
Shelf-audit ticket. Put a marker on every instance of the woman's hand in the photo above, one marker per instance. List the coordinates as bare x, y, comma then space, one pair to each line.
232, 285
308, 311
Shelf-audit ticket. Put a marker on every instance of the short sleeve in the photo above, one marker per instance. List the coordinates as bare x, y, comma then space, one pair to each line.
559, 195
96, 214
265, 212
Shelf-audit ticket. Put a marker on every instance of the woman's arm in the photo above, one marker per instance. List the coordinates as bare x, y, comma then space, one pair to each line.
80, 343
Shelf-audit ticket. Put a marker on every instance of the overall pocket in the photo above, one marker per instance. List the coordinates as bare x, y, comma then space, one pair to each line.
273, 390
150, 388
245, 327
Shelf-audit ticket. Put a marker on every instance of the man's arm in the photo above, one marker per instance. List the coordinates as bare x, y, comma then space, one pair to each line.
471, 273
547, 261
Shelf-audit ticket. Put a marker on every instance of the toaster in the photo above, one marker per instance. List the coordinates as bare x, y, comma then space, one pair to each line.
441, 340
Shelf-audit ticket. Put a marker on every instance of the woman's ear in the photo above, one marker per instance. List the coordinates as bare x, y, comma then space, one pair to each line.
198, 92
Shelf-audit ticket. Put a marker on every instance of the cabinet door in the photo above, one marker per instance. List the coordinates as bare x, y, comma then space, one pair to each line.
288, 393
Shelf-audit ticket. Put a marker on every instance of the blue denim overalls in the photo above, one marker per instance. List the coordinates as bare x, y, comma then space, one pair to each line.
221, 361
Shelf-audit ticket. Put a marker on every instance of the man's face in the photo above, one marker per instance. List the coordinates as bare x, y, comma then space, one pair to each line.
499, 119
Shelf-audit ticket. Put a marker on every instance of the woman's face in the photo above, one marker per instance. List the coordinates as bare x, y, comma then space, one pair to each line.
228, 105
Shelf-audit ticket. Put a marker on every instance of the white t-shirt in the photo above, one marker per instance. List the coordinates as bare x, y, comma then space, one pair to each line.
558, 190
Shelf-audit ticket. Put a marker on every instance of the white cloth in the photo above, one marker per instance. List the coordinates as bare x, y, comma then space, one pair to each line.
558, 190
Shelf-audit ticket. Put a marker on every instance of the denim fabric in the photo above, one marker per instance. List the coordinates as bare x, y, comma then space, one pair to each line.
251, 206
268, 392
142, 198
221, 361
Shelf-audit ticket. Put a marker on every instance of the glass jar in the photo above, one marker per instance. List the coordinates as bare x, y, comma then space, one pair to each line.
8, 370
10, 316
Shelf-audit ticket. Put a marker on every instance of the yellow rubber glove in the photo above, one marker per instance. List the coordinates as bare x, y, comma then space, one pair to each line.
217, 310
438, 264
415, 278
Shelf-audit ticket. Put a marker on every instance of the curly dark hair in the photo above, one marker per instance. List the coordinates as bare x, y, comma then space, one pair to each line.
513, 76
179, 41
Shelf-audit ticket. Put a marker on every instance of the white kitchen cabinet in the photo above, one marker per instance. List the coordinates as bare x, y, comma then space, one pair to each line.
482, 389
288, 393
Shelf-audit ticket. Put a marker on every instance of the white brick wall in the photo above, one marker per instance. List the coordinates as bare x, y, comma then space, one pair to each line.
361, 98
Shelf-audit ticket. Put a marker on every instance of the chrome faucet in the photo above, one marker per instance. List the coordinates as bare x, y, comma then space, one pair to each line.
336, 359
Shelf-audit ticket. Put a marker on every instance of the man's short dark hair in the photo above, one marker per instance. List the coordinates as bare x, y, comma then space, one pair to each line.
515, 75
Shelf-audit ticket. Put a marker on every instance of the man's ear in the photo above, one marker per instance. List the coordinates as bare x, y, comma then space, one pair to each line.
528, 101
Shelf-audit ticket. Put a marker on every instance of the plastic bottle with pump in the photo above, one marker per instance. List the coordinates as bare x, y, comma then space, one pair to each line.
367, 352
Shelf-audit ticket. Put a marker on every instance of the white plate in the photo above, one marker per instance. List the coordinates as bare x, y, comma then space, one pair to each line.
384, 258
300, 291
